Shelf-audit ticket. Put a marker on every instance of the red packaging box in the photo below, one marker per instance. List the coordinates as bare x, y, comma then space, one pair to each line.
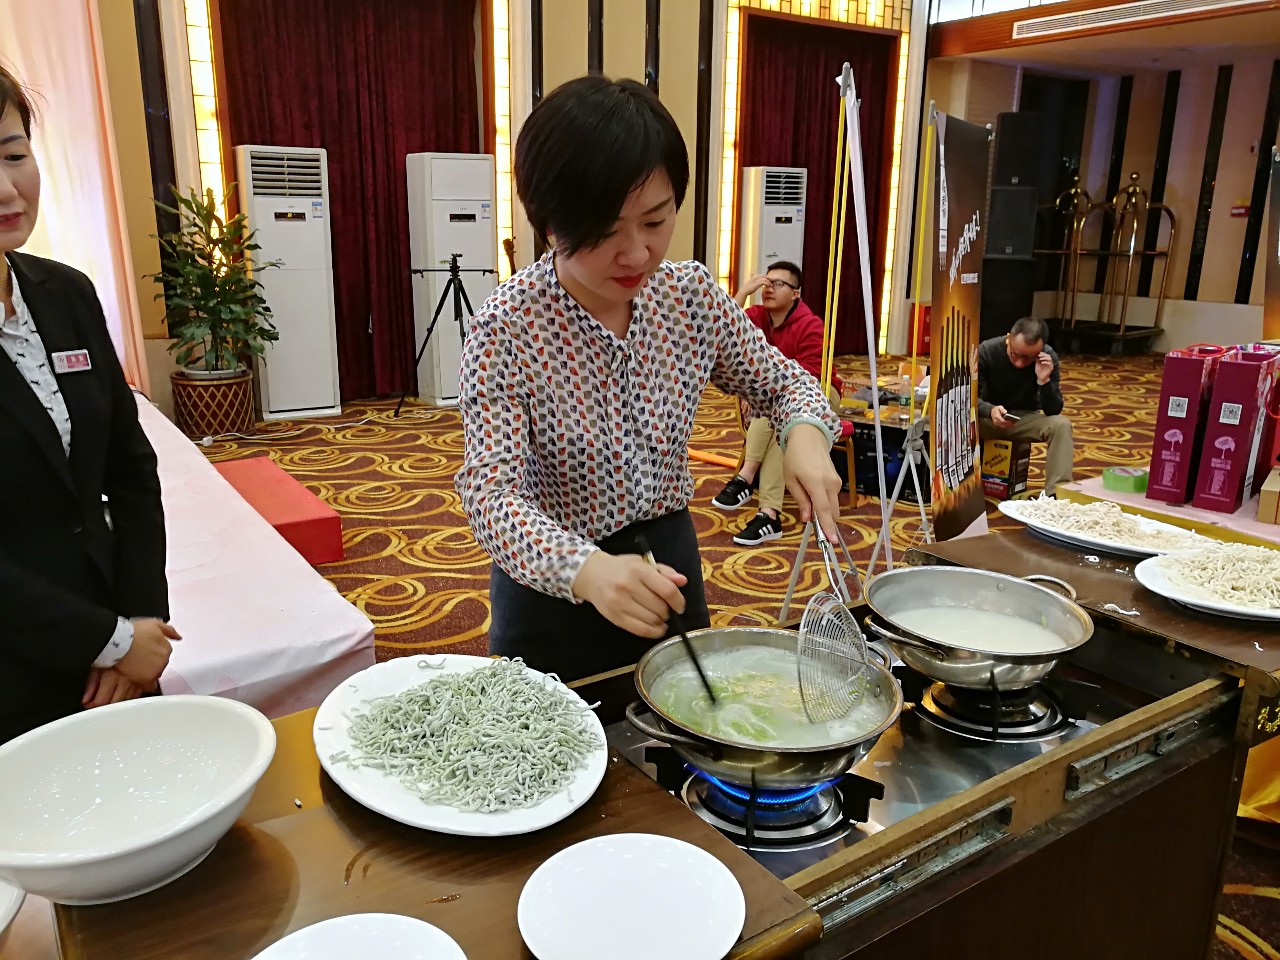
1237, 428
1180, 420
1271, 432
920, 326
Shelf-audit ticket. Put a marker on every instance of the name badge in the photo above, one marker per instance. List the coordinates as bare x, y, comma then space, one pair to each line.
72, 361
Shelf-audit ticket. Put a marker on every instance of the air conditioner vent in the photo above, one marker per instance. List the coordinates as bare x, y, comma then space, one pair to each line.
286, 174
1123, 13
784, 187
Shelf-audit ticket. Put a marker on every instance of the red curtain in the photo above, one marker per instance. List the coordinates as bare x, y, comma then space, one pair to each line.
788, 119
370, 81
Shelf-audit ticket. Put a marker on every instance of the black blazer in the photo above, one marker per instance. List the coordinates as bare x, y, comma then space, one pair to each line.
65, 575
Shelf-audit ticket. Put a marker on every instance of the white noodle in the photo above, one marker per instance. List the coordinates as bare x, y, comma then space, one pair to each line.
1101, 520
495, 738
1234, 573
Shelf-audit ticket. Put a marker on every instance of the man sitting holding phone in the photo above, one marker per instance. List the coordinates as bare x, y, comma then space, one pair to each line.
1019, 396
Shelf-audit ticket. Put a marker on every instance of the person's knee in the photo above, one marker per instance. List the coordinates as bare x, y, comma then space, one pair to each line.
1057, 427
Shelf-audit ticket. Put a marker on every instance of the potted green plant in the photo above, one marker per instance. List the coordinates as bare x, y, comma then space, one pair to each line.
217, 314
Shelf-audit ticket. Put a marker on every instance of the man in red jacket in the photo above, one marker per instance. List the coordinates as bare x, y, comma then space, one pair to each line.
796, 331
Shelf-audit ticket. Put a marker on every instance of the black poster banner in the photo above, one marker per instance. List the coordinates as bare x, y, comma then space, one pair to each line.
960, 176
1271, 285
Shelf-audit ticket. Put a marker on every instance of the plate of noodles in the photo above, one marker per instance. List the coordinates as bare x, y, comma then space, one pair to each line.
1100, 525
1227, 579
464, 745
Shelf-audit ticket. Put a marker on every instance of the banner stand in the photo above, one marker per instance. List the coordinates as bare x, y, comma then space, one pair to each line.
857, 176
913, 445
849, 175
961, 171
1271, 280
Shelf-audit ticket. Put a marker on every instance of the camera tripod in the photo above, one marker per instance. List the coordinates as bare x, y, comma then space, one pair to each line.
914, 452
452, 288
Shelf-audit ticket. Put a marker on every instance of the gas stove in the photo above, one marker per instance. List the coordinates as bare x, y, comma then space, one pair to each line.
945, 741
768, 821
1044, 711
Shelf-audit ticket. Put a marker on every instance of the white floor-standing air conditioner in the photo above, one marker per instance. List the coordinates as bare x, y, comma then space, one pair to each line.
450, 211
770, 218
284, 191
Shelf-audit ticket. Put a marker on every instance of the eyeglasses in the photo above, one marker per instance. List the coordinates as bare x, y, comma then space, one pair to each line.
1020, 359
779, 284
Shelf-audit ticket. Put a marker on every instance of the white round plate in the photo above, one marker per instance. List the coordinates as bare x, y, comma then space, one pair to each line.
366, 935
383, 793
10, 903
1149, 574
581, 904
1014, 511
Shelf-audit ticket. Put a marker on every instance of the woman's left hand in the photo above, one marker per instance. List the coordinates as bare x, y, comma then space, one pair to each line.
108, 686
811, 477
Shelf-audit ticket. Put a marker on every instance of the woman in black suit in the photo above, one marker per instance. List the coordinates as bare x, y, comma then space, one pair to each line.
83, 596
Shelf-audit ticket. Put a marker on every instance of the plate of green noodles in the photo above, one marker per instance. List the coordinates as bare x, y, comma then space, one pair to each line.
464, 745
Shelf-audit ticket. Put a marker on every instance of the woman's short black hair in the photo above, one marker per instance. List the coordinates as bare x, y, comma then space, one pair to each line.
585, 148
13, 93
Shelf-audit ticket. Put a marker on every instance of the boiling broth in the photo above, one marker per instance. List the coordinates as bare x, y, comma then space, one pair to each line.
979, 630
759, 701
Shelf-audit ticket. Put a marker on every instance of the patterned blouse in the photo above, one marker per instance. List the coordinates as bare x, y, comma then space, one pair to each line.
572, 433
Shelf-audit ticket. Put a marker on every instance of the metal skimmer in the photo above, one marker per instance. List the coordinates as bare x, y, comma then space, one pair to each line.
831, 654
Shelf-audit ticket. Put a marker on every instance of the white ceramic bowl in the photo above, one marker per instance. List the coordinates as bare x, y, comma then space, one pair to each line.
116, 801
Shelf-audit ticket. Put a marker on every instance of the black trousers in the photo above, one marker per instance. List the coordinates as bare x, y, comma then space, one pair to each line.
572, 639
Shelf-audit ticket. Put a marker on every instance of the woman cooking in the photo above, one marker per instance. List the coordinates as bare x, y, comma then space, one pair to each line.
581, 376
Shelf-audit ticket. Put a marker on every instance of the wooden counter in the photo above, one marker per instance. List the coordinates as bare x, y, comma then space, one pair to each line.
283, 867
1109, 580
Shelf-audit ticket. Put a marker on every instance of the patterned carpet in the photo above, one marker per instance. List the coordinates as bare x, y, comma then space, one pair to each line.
414, 569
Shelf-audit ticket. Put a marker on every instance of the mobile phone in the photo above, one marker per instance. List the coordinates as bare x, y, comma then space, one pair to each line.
1010, 416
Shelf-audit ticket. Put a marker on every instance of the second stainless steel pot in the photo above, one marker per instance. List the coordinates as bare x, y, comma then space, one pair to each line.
777, 768
910, 588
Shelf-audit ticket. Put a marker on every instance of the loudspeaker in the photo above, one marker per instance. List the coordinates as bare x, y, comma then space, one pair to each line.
1017, 149
1011, 223
1008, 291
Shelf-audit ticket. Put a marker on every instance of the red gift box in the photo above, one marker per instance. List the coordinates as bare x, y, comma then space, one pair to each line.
1239, 432
1271, 431
1180, 421
920, 327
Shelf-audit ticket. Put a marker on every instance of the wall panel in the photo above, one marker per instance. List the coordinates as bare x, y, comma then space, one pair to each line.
624, 39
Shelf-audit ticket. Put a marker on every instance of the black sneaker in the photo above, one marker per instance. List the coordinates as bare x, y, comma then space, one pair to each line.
761, 529
735, 493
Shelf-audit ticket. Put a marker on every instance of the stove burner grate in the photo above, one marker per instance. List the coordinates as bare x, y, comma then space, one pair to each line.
800, 825
781, 820
999, 716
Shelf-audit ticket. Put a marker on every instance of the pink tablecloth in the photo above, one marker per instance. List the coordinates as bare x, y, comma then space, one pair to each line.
259, 624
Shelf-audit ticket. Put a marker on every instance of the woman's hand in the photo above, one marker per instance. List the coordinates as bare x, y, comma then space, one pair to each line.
149, 654
630, 593
811, 477
108, 686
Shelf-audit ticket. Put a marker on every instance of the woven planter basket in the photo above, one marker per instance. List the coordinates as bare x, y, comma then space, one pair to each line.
210, 408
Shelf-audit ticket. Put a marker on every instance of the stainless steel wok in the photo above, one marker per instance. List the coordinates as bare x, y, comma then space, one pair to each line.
777, 768
910, 588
